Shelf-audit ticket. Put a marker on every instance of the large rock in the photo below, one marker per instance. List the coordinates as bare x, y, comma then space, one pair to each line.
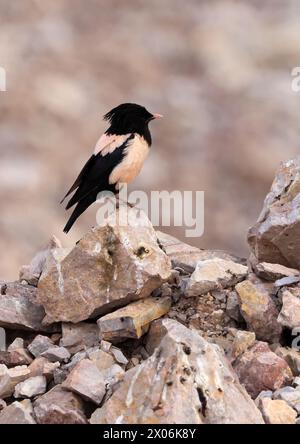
213, 274
275, 237
259, 310
31, 387
18, 413
186, 381
260, 369
273, 272
109, 267
133, 320
289, 315
19, 308
185, 256
39, 345
87, 381
59, 406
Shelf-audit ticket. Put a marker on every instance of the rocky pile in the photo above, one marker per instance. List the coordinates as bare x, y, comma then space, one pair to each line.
133, 326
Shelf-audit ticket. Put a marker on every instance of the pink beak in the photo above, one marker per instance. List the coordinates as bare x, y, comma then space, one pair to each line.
157, 116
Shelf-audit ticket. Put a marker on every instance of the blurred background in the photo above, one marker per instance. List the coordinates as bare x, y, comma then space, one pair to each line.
219, 71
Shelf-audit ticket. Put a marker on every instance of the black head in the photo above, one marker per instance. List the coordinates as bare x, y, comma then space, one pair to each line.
130, 118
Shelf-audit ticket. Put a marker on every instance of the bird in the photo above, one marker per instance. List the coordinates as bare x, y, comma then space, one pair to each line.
118, 157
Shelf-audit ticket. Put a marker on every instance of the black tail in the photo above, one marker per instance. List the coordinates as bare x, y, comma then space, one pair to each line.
79, 209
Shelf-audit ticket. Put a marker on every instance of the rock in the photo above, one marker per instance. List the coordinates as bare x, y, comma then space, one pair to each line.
56, 354
31, 387
31, 273
10, 377
273, 272
275, 237
18, 413
264, 394
185, 256
87, 381
108, 268
39, 345
290, 395
296, 381
61, 373
242, 341
119, 355
289, 315
233, 307
59, 406
17, 344
286, 281
133, 320
42, 367
19, 308
259, 310
102, 359
105, 345
15, 357
260, 369
185, 381
292, 358
276, 411
76, 337
213, 274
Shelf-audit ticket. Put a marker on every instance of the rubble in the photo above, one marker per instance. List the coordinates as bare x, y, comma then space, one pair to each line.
259, 310
76, 337
213, 274
39, 345
18, 413
56, 354
273, 272
108, 268
43, 367
290, 395
184, 370
133, 320
10, 377
289, 315
292, 358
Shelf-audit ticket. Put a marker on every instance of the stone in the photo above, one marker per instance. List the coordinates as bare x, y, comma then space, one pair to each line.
119, 355
42, 367
296, 381
133, 320
10, 377
102, 359
186, 381
241, 342
275, 238
214, 274
59, 406
61, 373
2, 404
56, 354
273, 272
76, 337
259, 310
105, 345
31, 273
31, 387
17, 344
290, 395
264, 394
233, 307
18, 413
276, 411
19, 308
260, 369
289, 315
185, 256
39, 345
87, 381
292, 358
15, 357
109, 267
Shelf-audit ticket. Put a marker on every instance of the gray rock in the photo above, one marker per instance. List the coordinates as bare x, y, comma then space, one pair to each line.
39, 345
56, 354
76, 337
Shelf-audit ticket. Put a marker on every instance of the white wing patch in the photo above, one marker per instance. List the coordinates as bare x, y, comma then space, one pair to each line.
135, 155
109, 142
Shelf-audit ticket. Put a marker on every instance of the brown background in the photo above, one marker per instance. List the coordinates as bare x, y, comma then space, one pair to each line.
220, 72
